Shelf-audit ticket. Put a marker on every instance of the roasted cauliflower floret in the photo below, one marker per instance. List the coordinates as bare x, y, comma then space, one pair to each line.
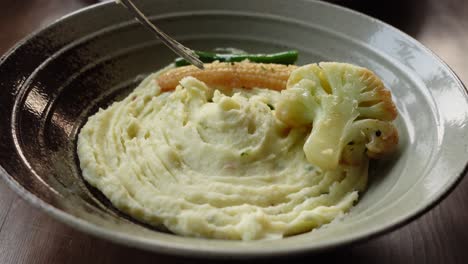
349, 109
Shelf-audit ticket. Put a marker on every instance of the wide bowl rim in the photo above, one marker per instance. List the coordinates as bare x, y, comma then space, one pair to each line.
192, 251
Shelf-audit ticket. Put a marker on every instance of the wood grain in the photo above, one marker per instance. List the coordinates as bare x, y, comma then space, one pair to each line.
6, 199
27, 235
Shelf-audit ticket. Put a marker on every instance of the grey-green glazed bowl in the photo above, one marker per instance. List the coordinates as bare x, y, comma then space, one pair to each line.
53, 80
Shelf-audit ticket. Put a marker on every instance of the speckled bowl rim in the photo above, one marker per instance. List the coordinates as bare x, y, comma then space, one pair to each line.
192, 251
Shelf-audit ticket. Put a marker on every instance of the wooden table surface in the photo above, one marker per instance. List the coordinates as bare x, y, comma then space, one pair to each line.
28, 235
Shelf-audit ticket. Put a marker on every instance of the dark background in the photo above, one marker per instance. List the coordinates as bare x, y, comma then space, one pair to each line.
28, 235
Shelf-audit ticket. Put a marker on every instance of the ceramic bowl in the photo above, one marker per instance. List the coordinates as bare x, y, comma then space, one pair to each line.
57, 77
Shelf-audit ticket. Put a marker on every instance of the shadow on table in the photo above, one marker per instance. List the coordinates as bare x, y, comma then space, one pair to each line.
117, 254
125, 255
407, 15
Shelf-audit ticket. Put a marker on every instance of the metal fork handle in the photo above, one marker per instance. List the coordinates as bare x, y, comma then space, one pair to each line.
173, 44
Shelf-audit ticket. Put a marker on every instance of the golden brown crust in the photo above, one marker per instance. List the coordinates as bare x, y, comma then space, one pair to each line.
233, 75
376, 149
372, 81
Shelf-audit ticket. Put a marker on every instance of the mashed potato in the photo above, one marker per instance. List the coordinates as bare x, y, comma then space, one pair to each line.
212, 163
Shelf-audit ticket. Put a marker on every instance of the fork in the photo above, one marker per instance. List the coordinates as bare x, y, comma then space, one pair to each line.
174, 45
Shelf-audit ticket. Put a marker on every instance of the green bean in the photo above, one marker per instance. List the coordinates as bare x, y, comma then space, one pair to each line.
286, 57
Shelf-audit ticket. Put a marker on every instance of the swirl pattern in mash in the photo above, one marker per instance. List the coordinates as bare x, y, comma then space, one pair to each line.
212, 163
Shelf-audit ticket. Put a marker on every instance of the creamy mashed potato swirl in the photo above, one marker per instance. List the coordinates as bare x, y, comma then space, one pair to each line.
211, 163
